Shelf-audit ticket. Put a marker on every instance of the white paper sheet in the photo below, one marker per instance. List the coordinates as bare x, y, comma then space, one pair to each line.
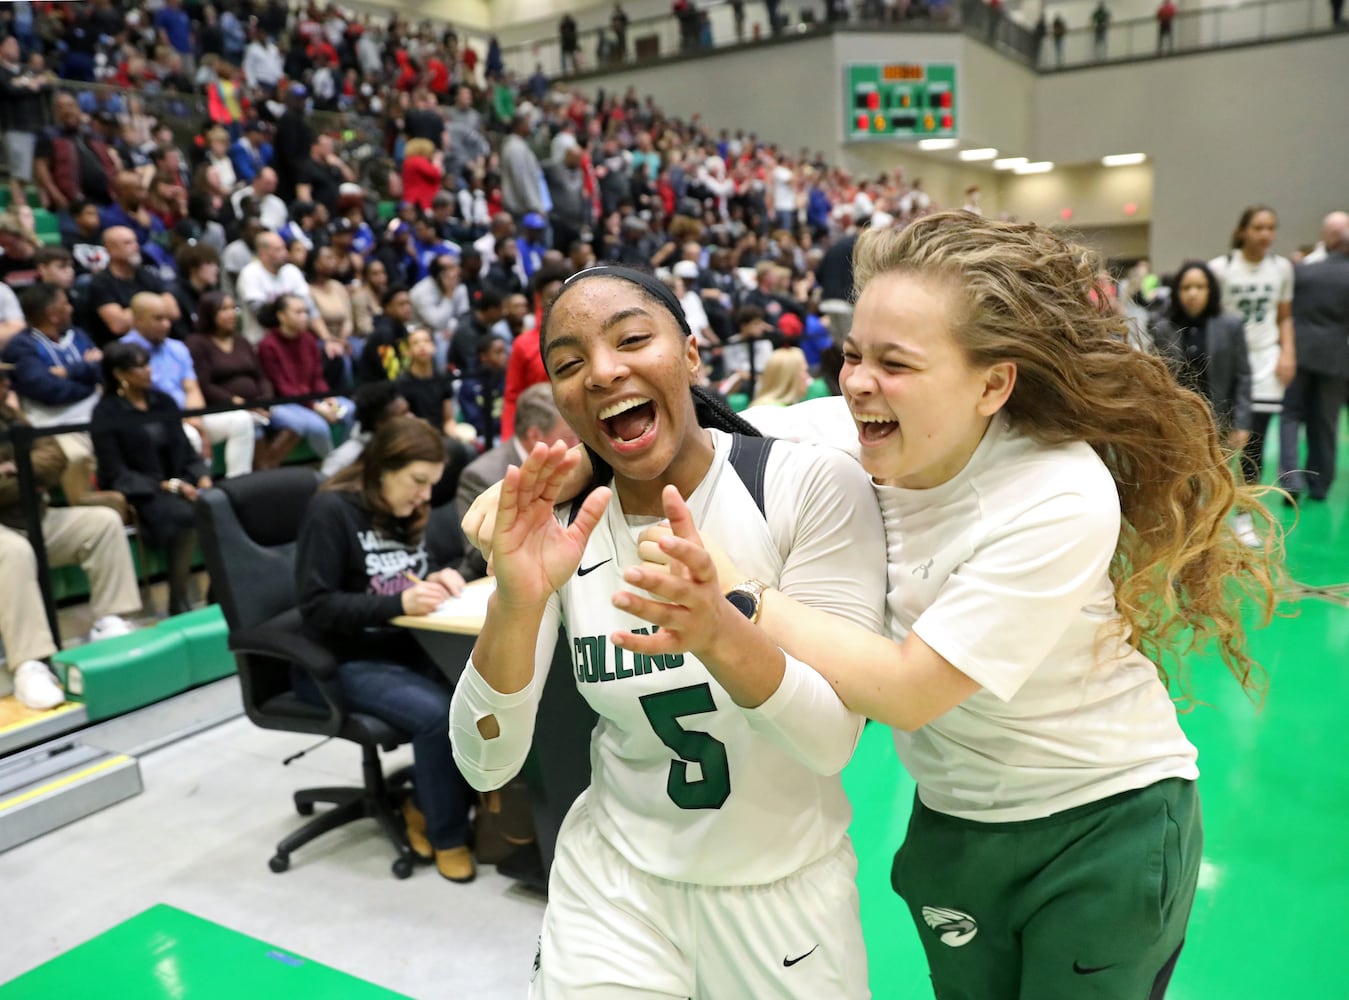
472, 603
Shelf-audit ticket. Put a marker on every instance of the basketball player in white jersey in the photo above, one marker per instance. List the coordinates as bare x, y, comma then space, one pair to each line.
1259, 285
709, 856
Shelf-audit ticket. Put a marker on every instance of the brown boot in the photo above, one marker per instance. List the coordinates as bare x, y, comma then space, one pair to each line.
456, 864
415, 823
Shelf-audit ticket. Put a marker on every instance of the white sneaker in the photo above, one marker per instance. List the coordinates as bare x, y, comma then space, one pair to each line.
110, 626
1243, 526
36, 686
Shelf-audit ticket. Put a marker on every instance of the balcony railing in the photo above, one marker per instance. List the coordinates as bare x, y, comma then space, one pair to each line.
1208, 28
655, 39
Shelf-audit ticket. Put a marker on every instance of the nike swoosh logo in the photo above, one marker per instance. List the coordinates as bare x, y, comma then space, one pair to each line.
787, 963
583, 570
1083, 970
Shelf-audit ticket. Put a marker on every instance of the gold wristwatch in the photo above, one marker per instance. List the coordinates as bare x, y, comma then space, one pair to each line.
747, 598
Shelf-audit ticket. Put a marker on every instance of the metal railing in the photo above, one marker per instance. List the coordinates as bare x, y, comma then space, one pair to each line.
1193, 31
188, 113
654, 39
24, 436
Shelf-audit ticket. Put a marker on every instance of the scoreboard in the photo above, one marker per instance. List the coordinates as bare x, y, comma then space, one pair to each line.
900, 101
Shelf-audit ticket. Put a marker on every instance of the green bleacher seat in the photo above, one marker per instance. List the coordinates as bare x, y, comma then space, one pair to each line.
819, 388
738, 400
33, 198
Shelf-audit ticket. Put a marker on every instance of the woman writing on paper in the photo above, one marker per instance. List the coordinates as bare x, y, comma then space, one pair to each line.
370, 550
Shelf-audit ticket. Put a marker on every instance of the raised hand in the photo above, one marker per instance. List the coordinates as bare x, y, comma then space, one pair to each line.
532, 553
479, 522
687, 601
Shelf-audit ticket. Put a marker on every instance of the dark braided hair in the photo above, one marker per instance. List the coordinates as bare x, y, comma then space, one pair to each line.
713, 412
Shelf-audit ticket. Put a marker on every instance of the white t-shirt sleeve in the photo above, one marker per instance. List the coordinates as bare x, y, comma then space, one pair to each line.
836, 563
825, 420
250, 287
490, 764
1011, 602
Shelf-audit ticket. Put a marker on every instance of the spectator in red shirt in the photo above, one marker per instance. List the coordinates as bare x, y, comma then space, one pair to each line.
422, 173
525, 367
1166, 17
292, 361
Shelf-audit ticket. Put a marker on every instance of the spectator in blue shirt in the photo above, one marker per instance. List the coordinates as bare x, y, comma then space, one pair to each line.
250, 152
172, 373
129, 209
532, 243
101, 98
57, 375
428, 245
175, 28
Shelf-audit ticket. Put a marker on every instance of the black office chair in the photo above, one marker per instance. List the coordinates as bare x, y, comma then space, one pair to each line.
248, 527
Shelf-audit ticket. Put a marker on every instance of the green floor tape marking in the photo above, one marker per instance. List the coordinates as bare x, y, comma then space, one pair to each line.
166, 953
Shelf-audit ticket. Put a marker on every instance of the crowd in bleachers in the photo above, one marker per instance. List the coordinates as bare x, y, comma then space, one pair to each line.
253, 249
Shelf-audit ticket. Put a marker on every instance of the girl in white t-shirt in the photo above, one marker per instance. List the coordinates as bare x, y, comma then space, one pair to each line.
1057, 534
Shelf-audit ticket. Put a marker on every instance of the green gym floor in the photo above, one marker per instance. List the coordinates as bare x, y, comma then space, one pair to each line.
1274, 787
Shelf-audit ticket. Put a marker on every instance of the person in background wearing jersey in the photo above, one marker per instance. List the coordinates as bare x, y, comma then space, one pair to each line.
1056, 508
715, 825
1258, 284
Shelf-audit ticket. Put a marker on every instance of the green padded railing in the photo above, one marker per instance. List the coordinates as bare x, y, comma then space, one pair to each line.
131, 671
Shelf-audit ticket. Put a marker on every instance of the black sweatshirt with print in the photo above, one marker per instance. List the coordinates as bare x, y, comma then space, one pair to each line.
351, 575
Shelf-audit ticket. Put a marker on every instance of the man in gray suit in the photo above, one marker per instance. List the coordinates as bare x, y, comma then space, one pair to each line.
1318, 391
536, 419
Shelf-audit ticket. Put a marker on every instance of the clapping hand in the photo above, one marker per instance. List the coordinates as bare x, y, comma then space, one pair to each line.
655, 558
687, 601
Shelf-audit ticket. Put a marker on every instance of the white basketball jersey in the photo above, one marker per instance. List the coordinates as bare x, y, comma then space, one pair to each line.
682, 784
1255, 291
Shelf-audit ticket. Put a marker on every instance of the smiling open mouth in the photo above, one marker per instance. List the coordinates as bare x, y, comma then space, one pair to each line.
629, 420
872, 429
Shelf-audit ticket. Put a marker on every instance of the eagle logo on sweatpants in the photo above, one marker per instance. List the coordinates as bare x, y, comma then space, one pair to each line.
954, 928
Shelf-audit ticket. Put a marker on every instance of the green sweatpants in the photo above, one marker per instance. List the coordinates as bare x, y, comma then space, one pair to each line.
1091, 902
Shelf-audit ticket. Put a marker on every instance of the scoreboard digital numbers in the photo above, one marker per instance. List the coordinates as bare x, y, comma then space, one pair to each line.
900, 101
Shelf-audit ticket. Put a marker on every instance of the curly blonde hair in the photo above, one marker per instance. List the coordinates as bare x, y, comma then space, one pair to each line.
1026, 296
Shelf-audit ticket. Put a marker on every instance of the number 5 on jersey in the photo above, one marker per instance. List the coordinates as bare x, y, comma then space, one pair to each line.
663, 710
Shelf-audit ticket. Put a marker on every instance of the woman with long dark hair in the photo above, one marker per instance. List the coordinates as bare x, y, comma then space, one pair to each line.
368, 552
1207, 348
151, 464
